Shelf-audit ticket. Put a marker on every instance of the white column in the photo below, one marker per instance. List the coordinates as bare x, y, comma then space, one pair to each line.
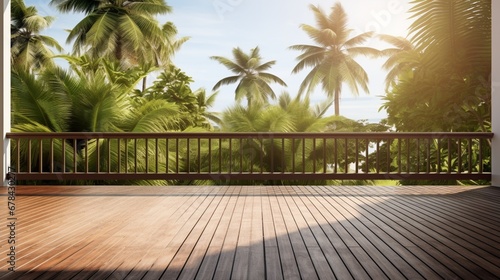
5, 85
495, 93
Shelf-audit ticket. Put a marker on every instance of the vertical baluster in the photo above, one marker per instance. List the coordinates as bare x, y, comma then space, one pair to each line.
293, 154
98, 155
449, 156
157, 156
18, 147
335, 155
199, 155
74, 156
86, 155
271, 141
209, 155
314, 154
220, 155
283, 162
167, 156
469, 154
428, 169
188, 160
51, 155
304, 155
109, 154
126, 155
135, 155
119, 151
459, 151
63, 154
356, 158
399, 155
346, 157
480, 156
177, 155
418, 155
367, 155
324, 155
146, 151
40, 168
408, 158
377, 154
438, 156
230, 154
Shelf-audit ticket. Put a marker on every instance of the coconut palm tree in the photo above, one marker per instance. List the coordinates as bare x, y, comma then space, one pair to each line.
124, 30
29, 49
248, 69
332, 58
402, 59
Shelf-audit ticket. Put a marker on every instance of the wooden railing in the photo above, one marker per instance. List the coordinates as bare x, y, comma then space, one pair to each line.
250, 156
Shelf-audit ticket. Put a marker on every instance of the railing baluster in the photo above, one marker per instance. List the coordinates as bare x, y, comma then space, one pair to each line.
399, 155
51, 155
283, 163
177, 155
324, 156
459, 152
199, 155
438, 156
356, 158
470, 154
157, 160
209, 155
449, 156
335, 156
109, 154
220, 155
135, 155
74, 156
146, 151
63, 155
40, 168
167, 156
314, 154
188, 159
119, 154
304, 155
366, 155
230, 154
377, 159
346, 158
481, 167
18, 163
408, 158
418, 155
293, 155
86, 155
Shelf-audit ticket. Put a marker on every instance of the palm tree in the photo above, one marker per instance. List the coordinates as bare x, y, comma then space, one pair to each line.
402, 59
332, 58
253, 82
123, 30
30, 49
453, 34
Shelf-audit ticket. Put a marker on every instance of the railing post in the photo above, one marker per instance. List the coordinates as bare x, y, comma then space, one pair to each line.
495, 93
5, 84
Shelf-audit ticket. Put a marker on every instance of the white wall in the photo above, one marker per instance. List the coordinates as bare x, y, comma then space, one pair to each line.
495, 95
5, 86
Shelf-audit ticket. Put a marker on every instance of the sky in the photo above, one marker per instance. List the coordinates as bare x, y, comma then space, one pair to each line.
215, 27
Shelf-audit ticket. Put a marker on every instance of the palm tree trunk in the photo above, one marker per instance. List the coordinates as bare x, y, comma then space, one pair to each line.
337, 101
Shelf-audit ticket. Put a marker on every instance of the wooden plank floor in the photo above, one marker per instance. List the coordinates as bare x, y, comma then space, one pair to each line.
254, 232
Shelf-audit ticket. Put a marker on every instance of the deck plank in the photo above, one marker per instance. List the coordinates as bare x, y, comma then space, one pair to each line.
255, 232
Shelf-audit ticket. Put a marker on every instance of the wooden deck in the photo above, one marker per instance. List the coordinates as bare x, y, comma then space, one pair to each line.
283, 232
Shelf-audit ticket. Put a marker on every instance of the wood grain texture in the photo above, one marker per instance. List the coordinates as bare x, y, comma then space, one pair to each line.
254, 232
